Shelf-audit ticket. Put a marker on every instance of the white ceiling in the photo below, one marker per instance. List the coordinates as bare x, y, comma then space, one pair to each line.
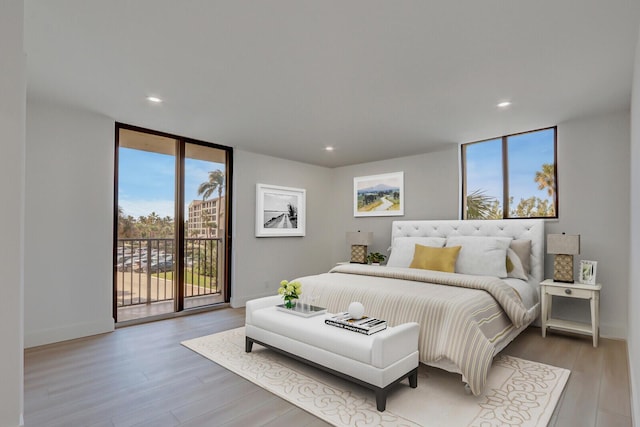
376, 79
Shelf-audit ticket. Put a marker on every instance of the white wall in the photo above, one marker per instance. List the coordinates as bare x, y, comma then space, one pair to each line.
69, 219
260, 263
69, 223
593, 179
69, 185
593, 189
634, 255
431, 192
12, 167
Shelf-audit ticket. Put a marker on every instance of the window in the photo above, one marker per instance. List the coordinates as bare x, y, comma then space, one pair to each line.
172, 237
513, 176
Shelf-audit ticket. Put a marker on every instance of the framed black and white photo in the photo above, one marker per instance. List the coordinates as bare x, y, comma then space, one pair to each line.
280, 211
588, 272
379, 195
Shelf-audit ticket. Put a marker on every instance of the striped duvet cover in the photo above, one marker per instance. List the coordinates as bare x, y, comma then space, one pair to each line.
461, 317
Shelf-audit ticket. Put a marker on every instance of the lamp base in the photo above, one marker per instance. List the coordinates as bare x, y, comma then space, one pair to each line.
358, 254
563, 268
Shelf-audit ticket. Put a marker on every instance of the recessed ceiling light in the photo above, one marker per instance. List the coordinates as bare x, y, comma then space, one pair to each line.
504, 104
328, 148
154, 99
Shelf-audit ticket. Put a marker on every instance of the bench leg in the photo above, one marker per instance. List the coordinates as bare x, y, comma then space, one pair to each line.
413, 378
381, 399
248, 344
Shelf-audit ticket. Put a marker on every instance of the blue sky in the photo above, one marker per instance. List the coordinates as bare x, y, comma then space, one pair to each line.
147, 181
527, 153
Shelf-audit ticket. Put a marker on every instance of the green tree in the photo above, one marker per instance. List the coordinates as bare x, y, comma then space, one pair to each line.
532, 207
546, 180
126, 225
495, 211
481, 206
207, 188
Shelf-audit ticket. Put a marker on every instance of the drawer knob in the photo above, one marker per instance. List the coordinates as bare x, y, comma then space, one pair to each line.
567, 291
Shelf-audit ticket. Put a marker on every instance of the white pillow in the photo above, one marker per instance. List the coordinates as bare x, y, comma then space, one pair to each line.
517, 270
402, 249
482, 256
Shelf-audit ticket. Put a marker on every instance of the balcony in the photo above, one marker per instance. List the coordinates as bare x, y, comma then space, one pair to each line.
145, 269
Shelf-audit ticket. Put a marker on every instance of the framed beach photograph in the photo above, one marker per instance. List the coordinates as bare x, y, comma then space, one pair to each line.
280, 211
379, 195
588, 272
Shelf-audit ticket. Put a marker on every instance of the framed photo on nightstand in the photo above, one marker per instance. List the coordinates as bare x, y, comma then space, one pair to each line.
588, 272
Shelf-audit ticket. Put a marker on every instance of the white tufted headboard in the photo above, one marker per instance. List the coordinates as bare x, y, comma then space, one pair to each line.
529, 229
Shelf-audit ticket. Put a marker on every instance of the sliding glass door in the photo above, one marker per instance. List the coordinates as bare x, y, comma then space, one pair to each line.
171, 239
205, 247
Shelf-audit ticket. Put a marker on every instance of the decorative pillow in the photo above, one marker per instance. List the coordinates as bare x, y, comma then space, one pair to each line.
403, 247
514, 266
438, 259
482, 256
523, 249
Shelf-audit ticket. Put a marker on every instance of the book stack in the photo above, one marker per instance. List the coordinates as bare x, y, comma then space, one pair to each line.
365, 325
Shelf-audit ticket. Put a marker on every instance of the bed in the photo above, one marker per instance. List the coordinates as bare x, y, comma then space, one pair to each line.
466, 317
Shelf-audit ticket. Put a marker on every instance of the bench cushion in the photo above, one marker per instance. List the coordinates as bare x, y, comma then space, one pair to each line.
313, 331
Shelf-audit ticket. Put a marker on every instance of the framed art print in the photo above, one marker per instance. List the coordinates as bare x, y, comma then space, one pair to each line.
588, 272
280, 211
379, 195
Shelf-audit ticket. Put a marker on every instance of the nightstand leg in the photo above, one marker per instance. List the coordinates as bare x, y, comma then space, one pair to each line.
543, 311
595, 318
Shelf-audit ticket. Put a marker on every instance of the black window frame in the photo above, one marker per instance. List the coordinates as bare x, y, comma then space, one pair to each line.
505, 174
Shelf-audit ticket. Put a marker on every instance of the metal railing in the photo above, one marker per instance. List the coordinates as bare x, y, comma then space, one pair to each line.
145, 269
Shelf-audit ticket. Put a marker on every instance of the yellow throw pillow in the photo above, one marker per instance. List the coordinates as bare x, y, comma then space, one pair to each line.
509, 265
438, 259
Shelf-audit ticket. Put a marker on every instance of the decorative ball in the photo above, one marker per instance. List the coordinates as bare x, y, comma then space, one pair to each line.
356, 310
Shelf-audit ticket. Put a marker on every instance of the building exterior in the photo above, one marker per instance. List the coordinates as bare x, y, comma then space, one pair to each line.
203, 216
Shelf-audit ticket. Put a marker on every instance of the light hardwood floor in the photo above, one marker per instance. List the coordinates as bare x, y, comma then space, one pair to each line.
142, 376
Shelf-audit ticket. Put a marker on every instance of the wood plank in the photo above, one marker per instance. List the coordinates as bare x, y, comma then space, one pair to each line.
614, 392
606, 419
296, 417
580, 401
141, 375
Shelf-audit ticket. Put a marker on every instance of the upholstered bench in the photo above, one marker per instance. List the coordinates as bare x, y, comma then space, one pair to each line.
377, 361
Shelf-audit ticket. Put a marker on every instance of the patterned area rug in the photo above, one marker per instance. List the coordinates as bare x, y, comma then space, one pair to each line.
518, 392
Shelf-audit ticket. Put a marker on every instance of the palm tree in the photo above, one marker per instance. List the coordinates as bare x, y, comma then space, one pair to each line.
206, 189
126, 224
547, 179
479, 205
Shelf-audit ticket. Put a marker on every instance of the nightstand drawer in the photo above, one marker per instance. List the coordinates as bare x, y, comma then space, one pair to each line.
568, 291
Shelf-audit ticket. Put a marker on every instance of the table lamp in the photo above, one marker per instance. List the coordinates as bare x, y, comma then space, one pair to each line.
359, 242
564, 247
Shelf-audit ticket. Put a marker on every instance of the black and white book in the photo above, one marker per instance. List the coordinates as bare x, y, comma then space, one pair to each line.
365, 325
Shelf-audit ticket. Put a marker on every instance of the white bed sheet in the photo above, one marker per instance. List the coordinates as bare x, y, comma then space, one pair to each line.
528, 291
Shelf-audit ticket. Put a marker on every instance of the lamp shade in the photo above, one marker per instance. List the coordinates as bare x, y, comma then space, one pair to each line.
563, 244
358, 238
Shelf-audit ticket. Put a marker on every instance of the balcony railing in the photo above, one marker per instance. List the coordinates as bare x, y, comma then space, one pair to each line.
145, 269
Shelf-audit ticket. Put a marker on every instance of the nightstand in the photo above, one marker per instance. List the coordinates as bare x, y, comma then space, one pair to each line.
549, 289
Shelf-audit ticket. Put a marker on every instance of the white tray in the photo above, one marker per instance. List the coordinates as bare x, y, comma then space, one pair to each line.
302, 310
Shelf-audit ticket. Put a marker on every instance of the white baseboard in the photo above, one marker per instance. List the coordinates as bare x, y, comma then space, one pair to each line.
635, 393
242, 301
614, 331
67, 332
